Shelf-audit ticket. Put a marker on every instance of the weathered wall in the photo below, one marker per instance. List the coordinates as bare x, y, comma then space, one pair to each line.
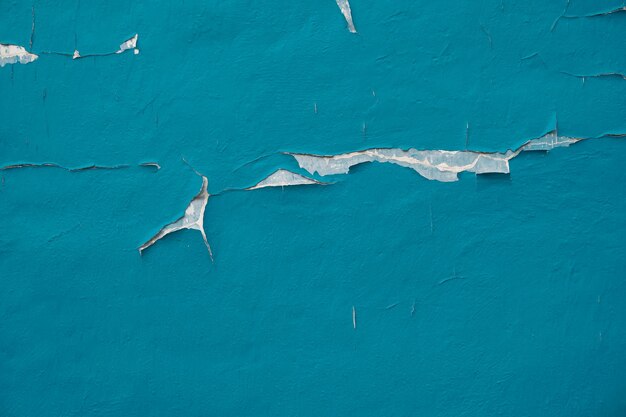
383, 293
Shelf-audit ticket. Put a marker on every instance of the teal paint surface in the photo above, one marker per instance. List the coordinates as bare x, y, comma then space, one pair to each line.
534, 323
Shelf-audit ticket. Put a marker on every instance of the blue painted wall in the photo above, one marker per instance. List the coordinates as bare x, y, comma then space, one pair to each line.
534, 325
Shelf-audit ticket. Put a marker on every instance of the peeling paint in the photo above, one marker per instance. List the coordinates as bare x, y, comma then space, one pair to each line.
13, 54
344, 6
518, 278
549, 141
438, 165
284, 178
192, 219
128, 45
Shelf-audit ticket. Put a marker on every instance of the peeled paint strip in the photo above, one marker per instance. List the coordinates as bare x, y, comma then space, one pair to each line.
344, 6
437, 165
192, 219
12, 54
284, 178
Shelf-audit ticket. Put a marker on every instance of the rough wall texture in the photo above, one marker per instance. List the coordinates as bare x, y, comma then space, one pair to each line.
382, 293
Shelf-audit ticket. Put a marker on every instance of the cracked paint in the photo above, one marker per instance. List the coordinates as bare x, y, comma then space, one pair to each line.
433, 165
11, 54
74, 169
128, 45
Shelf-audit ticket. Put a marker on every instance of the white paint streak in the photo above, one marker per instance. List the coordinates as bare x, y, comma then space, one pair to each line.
12, 54
353, 317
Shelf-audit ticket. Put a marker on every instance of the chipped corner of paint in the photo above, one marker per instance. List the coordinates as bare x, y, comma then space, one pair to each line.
13, 54
344, 6
193, 219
